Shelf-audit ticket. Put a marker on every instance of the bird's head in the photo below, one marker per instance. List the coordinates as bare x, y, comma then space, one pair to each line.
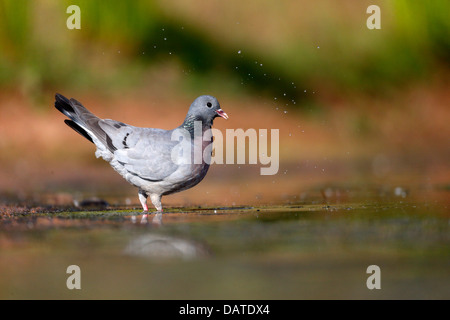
206, 109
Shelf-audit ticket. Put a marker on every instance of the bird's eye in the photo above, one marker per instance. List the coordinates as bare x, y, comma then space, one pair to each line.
209, 104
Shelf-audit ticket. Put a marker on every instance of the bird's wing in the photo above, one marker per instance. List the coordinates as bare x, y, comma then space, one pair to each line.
144, 152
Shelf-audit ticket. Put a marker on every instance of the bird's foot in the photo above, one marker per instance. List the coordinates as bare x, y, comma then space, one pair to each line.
144, 217
157, 219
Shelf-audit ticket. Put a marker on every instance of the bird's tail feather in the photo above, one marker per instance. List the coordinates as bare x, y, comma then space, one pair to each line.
78, 115
63, 104
82, 120
78, 129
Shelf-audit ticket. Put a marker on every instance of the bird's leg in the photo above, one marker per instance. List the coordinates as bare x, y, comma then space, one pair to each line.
143, 199
156, 200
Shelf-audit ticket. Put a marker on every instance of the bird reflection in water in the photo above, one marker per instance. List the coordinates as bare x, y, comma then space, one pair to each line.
156, 220
162, 246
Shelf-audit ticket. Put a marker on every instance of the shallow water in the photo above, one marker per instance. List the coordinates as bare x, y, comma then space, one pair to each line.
298, 251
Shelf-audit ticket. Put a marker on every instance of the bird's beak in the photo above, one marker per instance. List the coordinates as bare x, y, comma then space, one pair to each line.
222, 114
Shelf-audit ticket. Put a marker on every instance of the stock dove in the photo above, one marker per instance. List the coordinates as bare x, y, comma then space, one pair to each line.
146, 157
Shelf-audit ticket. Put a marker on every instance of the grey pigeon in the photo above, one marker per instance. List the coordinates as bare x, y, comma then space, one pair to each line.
146, 157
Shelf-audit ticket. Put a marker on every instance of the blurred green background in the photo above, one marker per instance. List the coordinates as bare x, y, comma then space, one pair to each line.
312, 45
251, 46
351, 102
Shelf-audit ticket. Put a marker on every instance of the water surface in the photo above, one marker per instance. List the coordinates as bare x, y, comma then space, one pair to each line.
296, 251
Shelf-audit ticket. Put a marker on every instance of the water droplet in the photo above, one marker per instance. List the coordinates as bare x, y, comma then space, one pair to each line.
165, 38
285, 111
284, 94
304, 90
239, 52
275, 98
